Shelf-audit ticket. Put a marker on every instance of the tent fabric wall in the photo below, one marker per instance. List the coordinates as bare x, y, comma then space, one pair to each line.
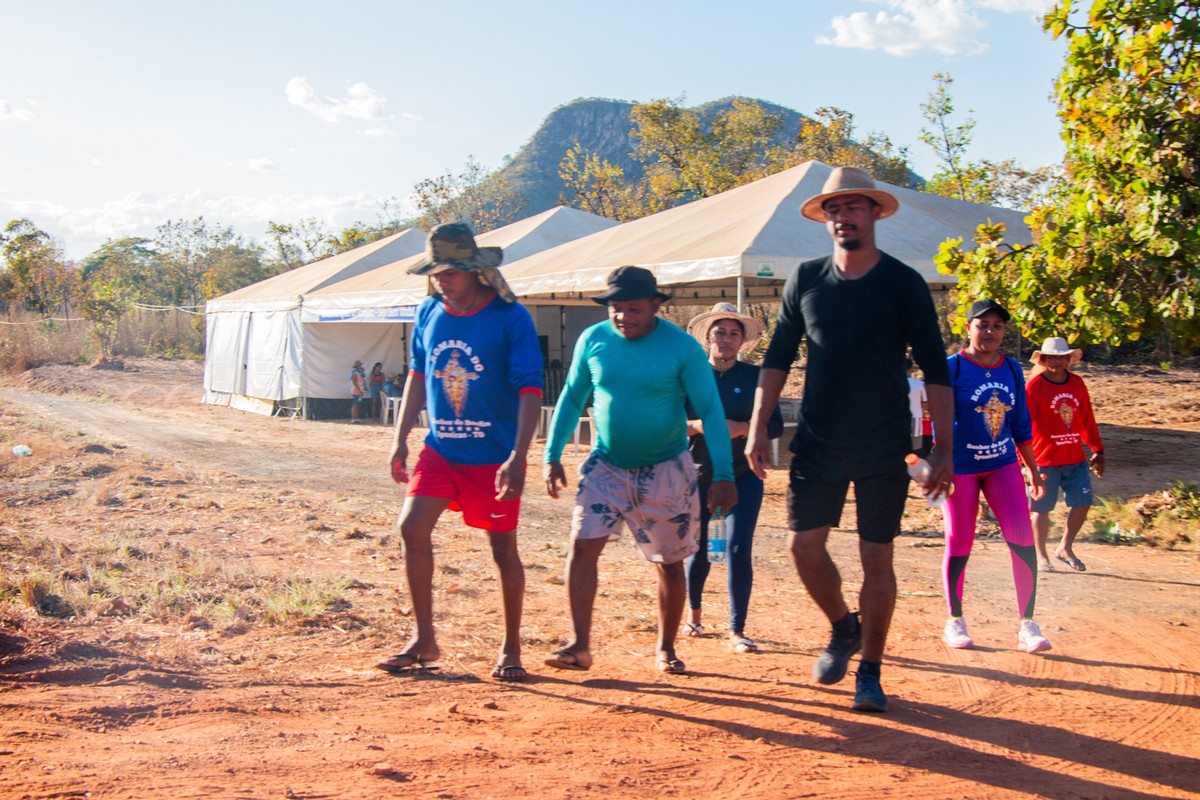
255, 339
273, 355
331, 348
225, 355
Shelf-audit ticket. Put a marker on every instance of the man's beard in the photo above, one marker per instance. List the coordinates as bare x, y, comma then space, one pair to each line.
852, 244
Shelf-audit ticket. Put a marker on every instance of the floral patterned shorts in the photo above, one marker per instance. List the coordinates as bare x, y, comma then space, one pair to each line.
660, 504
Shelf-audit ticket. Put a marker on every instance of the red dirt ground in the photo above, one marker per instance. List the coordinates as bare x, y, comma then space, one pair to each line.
126, 707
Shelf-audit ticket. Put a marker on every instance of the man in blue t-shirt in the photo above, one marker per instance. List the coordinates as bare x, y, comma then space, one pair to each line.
641, 370
477, 369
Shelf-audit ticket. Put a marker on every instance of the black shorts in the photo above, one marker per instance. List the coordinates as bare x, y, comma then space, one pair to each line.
814, 502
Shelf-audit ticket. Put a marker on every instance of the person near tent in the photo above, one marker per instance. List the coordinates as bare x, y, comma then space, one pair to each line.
918, 409
476, 367
992, 435
1063, 421
639, 472
375, 387
859, 310
358, 391
725, 333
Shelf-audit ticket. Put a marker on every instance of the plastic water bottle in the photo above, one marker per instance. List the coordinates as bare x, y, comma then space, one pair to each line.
919, 470
717, 537
22, 450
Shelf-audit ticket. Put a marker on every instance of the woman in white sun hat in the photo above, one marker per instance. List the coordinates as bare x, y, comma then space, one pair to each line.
725, 333
1063, 423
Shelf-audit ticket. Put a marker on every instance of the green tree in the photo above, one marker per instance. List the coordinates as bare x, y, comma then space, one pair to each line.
949, 142
686, 162
1126, 233
117, 275
37, 273
599, 187
187, 253
1117, 255
474, 196
296, 244
829, 137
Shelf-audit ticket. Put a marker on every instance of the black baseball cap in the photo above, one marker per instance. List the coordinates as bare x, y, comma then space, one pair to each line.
981, 307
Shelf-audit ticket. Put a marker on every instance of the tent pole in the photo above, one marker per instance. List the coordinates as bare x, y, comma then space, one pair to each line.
741, 294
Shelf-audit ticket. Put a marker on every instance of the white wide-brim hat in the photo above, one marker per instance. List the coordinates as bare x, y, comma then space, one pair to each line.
1057, 346
700, 325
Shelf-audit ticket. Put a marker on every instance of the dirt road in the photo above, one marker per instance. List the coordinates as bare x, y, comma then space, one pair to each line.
128, 706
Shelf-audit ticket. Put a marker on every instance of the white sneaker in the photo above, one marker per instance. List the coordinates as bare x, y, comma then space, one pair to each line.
956, 634
1030, 638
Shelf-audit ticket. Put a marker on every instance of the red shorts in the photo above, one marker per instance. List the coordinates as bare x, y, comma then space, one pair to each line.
470, 488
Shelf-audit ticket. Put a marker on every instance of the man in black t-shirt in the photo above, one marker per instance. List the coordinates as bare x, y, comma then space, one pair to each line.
859, 310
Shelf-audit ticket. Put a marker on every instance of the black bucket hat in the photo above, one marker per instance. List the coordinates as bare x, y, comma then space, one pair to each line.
630, 283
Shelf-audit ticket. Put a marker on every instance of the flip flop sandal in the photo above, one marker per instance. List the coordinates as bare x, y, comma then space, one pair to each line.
412, 665
1045, 566
743, 645
510, 673
693, 630
567, 659
1073, 563
671, 666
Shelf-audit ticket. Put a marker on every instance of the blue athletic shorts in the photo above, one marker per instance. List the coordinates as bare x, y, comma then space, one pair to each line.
1076, 483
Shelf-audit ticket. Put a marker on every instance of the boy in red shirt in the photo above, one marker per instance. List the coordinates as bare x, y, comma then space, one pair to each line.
1063, 422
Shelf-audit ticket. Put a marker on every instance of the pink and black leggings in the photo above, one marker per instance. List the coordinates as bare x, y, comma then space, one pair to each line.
1004, 490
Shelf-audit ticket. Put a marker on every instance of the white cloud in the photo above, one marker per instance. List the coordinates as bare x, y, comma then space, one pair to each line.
83, 229
378, 131
361, 102
1038, 7
262, 165
19, 114
946, 26
412, 117
95, 162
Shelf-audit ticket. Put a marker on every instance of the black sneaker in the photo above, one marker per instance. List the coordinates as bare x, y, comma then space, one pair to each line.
831, 666
868, 694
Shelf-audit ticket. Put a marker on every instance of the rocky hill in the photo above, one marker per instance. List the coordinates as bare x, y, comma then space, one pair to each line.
600, 126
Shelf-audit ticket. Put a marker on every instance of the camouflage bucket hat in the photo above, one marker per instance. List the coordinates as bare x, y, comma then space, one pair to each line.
452, 245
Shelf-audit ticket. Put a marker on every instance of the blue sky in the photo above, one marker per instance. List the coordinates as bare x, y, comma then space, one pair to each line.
117, 116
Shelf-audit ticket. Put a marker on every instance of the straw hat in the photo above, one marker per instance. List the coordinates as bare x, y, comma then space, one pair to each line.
700, 325
1057, 346
849, 180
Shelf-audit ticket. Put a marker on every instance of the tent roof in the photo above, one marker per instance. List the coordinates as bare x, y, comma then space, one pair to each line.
282, 292
391, 285
754, 231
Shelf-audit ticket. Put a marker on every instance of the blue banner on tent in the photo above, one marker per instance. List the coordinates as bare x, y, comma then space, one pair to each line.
397, 314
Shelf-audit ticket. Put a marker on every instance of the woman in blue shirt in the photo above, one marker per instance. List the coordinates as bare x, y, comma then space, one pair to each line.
991, 427
723, 333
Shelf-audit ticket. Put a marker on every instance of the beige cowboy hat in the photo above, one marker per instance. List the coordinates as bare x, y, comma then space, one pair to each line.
849, 180
701, 324
1057, 346
451, 245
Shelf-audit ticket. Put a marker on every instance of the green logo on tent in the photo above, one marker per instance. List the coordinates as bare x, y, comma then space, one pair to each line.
765, 271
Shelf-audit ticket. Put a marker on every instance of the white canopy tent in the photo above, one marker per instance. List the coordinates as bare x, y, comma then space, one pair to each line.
363, 315
295, 336
741, 244
254, 351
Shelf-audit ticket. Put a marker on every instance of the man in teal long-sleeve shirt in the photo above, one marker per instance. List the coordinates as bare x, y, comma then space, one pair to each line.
640, 369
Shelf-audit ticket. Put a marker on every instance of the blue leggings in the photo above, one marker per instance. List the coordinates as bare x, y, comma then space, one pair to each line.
739, 523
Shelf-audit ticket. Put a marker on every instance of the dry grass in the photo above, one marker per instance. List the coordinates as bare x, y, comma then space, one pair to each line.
1169, 519
27, 340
